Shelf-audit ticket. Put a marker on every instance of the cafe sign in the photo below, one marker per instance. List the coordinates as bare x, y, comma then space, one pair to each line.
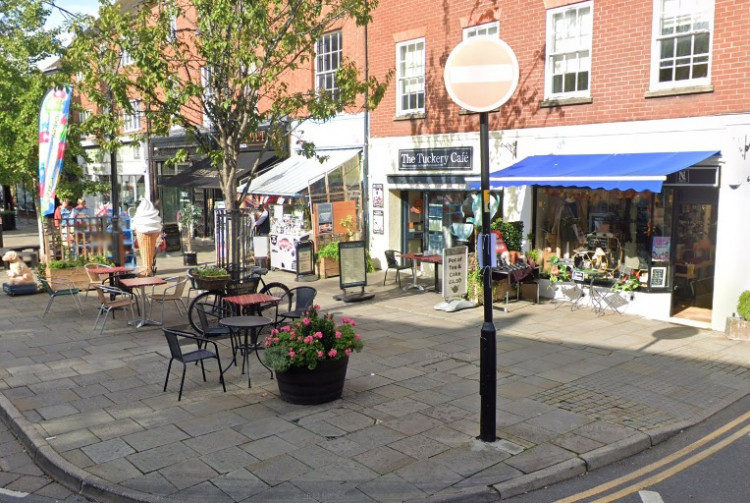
455, 269
417, 159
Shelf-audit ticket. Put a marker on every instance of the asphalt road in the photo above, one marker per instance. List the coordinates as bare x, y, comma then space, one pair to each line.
705, 464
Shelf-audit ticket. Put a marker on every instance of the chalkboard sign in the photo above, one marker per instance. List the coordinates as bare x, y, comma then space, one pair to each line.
455, 263
305, 258
352, 264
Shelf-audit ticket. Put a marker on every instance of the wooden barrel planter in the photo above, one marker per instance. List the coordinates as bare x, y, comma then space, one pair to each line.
323, 384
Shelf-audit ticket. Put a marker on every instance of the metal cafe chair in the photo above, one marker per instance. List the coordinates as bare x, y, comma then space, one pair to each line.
195, 356
393, 263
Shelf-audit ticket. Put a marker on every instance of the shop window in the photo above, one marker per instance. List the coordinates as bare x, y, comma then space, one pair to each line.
681, 49
570, 222
410, 73
568, 71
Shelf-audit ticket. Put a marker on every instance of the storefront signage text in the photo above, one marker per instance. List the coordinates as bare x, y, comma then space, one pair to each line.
435, 158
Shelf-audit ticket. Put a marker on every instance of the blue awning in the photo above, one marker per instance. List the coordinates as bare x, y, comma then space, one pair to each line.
641, 171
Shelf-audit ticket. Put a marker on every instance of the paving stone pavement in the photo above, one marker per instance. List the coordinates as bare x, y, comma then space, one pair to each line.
575, 391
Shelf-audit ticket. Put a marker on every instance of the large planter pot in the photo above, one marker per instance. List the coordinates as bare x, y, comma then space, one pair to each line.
329, 267
737, 329
75, 274
190, 258
309, 387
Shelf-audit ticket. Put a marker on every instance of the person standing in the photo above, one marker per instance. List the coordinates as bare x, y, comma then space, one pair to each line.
263, 224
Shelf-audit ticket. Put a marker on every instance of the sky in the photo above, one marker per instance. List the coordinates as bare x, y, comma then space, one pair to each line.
57, 18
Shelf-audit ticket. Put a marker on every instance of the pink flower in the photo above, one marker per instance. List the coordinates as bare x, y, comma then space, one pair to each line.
308, 339
318, 335
338, 335
286, 328
317, 307
332, 353
274, 331
348, 351
320, 354
353, 323
292, 354
356, 336
344, 319
276, 340
306, 321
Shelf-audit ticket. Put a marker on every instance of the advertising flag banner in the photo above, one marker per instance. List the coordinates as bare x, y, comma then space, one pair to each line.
53, 132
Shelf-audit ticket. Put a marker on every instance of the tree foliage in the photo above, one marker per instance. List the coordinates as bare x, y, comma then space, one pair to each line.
24, 44
230, 61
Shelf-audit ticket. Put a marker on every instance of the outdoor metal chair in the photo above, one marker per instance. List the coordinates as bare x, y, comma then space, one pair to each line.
198, 355
210, 328
110, 298
302, 297
393, 263
58, 288
94, 279
271, 310
172, 293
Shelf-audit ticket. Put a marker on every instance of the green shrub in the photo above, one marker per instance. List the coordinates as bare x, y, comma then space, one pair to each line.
512, 233
743, 306
209, 271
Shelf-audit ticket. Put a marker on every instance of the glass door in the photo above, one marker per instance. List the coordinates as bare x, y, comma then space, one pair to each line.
694, 249
413, 220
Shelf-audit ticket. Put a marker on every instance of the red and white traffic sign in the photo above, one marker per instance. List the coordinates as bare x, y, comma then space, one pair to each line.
481, 74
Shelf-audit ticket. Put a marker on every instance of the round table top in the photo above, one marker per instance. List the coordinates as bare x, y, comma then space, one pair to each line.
245, 321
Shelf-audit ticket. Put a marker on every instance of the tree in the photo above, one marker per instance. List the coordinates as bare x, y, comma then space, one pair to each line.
219, 69
24, 44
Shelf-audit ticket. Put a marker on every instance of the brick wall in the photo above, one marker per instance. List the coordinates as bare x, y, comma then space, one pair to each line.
620, 73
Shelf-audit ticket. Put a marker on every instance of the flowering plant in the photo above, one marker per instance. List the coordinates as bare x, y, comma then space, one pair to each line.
313, 338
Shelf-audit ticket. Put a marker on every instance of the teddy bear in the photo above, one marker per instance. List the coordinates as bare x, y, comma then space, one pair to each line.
19, 273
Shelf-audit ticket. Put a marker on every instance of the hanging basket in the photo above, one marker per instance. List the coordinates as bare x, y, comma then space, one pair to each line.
211, 283
324, 383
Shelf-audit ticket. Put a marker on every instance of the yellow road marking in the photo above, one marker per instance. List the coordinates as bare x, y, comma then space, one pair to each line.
657, 464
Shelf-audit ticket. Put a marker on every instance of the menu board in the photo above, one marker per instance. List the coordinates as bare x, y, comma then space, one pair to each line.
455, 265
305, 260
352, 264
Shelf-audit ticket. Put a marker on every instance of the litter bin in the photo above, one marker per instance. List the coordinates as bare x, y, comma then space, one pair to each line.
172, 237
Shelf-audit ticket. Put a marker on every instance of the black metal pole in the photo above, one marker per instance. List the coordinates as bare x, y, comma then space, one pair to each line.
487, 342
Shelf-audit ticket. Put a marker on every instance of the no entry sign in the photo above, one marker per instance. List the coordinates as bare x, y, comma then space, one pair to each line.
481, 74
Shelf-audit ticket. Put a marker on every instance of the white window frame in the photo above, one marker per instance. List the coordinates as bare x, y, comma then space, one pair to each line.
327, 62
410, 74
131, 122
83, 116
125, 58
704, 7
136, 146
576, 56
208, 94
491, 29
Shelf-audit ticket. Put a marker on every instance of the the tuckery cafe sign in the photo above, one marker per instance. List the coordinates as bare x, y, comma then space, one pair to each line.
434, 158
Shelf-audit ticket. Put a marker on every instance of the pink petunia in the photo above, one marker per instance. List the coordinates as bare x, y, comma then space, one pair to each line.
338, 335
308, 339
306, 321
356, 336
346, 320
320, 354
348, 351
292, 354
318, 335
317, 307
274, 331
332, 353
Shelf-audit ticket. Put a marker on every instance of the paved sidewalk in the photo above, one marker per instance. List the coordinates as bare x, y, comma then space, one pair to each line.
575, 391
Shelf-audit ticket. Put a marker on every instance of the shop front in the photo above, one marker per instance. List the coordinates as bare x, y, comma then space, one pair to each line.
434, 202
653, 216
299, 192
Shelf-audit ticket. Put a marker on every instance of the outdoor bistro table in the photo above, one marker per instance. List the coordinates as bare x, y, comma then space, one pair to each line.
249, 326
142, 283
415, 259
252, 300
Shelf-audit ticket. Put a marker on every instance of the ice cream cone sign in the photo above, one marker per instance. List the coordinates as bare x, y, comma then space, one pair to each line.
148, 227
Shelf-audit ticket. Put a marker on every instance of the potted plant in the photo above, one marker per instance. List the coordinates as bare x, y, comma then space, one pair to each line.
310, 357
738, 325
210, 277
189, 217
70, 269
328, 260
